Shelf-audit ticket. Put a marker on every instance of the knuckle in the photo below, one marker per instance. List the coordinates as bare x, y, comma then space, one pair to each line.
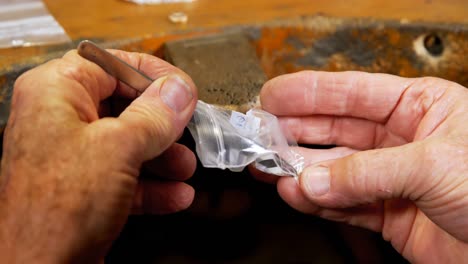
20, 87
428, 80
76, 70
24, 81
432, 83
430, 93
70, 71
28, 82
21, 81
106, 133
358, 178
105, 130
113, 128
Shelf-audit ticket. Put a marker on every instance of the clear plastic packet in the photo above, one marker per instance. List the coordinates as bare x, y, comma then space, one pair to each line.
231, 140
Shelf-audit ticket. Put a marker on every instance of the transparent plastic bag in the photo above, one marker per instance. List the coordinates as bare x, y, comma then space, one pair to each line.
231, 140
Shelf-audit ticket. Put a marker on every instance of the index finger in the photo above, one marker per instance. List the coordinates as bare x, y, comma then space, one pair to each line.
152, 66
86, 83
357, 94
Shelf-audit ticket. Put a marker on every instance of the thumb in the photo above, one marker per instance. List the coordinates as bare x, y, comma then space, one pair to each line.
158, 116
430, 173
367, 176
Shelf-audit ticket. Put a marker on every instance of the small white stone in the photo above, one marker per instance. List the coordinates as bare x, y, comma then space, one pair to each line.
178, 18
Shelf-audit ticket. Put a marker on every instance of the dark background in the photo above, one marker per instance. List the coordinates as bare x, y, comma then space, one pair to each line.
223, 226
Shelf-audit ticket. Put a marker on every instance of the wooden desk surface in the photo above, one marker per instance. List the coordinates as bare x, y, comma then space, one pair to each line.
118, 19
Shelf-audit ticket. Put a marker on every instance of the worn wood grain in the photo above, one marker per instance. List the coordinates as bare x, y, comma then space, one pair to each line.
118, 19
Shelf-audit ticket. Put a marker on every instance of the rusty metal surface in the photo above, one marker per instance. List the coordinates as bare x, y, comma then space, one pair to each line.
317, 43
410, 50
224, 67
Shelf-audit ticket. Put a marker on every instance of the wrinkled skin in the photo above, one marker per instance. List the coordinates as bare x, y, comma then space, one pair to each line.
401, 165
69, 177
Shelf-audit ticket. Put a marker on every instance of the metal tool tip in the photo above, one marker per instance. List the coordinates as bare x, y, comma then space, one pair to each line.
85, 43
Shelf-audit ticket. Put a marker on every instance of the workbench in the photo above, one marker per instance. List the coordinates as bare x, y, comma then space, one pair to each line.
118, 19
231, 207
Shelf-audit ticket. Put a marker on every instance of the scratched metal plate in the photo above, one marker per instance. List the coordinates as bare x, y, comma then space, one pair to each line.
318, 43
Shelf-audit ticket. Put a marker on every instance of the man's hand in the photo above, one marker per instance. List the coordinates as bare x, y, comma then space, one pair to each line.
69, 178
401, 167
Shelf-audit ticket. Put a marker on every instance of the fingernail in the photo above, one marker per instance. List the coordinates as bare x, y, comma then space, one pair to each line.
176, 93
316, 180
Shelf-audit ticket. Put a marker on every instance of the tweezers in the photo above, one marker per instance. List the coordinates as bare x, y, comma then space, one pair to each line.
114, 66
